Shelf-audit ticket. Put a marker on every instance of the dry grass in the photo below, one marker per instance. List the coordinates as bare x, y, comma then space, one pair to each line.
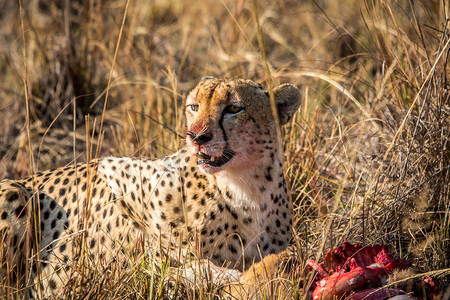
367, 156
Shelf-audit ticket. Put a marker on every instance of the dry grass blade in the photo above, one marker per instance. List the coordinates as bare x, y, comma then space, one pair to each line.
125, 13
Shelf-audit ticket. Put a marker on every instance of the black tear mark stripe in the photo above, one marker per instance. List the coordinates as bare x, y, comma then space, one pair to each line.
225, 137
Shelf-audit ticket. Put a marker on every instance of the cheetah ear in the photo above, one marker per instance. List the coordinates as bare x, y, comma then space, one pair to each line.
287, 97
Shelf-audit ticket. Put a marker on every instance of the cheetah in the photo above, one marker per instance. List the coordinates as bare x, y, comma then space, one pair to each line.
222, 197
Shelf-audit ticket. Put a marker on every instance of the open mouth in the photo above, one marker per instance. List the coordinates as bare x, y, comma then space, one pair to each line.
215, 161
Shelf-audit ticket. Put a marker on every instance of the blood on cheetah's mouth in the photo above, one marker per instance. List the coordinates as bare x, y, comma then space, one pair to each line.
215, 161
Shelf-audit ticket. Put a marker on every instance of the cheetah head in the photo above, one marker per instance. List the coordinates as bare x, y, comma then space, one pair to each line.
230, 122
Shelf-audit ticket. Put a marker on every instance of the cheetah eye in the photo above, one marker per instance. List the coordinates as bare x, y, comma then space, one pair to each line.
193, 107
233, 109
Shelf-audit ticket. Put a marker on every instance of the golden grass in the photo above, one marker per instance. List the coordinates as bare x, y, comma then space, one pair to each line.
367, 156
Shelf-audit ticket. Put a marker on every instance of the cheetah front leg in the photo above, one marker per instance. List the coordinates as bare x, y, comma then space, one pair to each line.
203, 273
268, 277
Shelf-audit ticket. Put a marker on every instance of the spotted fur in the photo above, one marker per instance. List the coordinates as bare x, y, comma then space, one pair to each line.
223, 197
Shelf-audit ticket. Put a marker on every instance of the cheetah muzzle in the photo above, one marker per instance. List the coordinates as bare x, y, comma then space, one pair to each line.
204, 159
222, 197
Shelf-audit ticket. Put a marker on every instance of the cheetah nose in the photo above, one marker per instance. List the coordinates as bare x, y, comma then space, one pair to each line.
201, 138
